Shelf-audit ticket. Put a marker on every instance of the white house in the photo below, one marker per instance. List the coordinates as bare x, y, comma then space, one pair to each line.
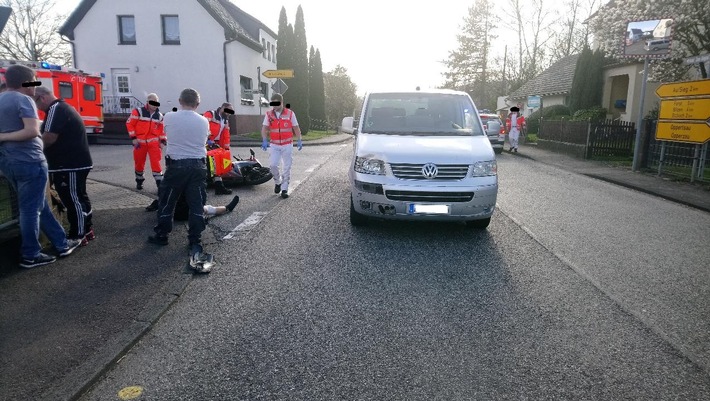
164, 46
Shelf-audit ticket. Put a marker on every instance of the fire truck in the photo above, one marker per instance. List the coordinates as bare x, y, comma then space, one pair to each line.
78, 88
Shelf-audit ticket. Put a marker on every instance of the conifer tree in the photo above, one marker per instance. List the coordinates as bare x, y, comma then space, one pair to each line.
298, 86
316, 90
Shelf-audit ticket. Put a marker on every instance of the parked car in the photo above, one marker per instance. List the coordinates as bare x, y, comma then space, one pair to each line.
422, 155
497, 138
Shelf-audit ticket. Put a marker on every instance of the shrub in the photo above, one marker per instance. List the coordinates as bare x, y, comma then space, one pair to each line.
590, 114
556, 112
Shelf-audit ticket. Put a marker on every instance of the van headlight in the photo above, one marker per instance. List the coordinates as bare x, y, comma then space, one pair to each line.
484, 169
369, 166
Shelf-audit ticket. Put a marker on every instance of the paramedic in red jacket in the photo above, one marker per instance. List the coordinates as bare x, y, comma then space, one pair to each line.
279, 126
145, 128
219, 136
514, 123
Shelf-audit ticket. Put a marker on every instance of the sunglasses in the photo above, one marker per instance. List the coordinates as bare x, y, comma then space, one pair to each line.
154, 103
30, 84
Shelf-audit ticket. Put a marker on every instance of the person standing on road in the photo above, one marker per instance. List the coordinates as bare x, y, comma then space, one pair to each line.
186, 169
219, 138
23, 163
67, 150
145, 128
280, 124
514, 123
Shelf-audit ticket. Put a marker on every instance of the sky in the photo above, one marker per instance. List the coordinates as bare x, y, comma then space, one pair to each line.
383, 44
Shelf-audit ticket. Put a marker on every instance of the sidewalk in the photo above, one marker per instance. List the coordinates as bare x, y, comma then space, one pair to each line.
63, 325
686, 193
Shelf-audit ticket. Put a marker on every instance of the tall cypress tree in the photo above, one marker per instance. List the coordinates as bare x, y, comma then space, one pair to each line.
316, 90
298, 86
282, 46
587, 84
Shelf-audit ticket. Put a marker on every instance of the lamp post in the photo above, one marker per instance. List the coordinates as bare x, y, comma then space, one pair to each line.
258, 78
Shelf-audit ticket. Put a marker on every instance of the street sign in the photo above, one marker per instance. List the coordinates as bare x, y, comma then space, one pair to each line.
684, 89
685, 109
697, 59
691, 132
278, 73
279, 86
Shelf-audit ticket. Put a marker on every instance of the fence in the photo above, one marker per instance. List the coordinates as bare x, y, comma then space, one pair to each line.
120, 105
684, 160
589, 139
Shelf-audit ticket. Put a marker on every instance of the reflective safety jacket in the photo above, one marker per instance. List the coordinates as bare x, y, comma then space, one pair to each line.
144, 126
219, 128
520, 122
281, 129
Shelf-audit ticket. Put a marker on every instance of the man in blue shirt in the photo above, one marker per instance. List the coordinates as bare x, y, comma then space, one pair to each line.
25, 167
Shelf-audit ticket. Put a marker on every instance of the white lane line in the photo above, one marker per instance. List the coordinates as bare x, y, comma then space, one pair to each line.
312, 168
249, 223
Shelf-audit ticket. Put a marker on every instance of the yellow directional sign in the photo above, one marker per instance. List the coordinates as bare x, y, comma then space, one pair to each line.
683, 89
278, 73
691, 132
685, 109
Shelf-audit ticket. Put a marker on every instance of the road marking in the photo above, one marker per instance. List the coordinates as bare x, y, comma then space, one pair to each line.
312, 168
249, 223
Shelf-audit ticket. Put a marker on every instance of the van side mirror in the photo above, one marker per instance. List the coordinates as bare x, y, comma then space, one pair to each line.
493, 128
347, 126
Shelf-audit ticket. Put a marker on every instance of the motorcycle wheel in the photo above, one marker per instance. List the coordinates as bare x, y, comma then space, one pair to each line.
259, 175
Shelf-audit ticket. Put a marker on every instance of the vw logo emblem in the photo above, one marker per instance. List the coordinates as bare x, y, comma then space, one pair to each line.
430, 170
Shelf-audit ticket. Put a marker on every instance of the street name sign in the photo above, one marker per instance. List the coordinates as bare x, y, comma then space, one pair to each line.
685, 109
684, 89
691, 132
278, 73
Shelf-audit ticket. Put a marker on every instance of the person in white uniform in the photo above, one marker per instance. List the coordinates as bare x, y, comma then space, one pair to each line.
277, 131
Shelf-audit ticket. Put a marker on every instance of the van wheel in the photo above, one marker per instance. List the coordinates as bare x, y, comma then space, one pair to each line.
356, 219
479, 224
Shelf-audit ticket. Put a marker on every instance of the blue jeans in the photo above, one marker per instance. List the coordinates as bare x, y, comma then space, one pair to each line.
30, 183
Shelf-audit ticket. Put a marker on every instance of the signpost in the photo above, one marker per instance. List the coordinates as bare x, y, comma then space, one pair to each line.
279, 86
684, 115
278, 73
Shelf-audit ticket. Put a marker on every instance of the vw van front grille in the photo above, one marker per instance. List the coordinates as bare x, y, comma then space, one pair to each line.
424, 196
406, 171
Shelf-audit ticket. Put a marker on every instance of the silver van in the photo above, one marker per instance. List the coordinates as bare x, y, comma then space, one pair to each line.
657, 44
422, 155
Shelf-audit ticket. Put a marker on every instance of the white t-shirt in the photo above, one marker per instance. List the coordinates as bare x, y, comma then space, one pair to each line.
187, 133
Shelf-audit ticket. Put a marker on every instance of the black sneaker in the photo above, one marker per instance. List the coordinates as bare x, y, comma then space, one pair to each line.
284, 194
158, 239
220, 189
277, 188
231, 205
40, 260
139, 184
72, 244
152, 207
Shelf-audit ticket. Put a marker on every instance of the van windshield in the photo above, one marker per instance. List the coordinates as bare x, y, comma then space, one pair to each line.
421, 114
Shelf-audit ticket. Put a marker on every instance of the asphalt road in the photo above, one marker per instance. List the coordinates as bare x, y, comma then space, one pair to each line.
579, 289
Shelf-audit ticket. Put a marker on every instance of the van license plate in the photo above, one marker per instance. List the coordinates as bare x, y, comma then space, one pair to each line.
428, 209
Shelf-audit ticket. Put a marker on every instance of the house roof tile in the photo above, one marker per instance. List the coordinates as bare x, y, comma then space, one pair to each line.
553, 81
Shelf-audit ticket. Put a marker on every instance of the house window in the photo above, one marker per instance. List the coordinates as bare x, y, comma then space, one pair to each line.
264, 89
273, 51
123, 85
264, 45
126, 30
171, 29
246, 95
269, 47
